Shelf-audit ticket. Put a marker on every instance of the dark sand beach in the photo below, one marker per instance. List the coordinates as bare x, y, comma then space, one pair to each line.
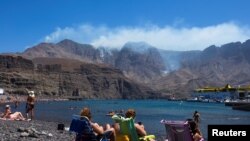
33, 131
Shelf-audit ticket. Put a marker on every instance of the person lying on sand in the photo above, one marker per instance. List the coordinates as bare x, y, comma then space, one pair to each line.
8, 115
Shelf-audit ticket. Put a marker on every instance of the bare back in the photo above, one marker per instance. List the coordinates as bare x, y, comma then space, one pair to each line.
31, 100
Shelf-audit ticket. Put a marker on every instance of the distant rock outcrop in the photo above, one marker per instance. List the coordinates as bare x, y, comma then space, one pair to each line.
141, 62
15, 63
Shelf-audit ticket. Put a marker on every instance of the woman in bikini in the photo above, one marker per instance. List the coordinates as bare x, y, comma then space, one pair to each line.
30, 104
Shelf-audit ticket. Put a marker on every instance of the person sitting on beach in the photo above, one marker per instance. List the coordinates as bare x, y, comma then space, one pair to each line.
140, 129
197, 136
98, 129
30, 104
12, 116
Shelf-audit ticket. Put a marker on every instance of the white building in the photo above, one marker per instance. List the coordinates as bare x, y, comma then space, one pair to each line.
1, 91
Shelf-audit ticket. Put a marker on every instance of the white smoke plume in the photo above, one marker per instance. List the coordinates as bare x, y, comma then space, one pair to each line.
167, 37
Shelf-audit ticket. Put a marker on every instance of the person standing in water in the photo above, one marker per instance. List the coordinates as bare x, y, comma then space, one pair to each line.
196, 117
30, 104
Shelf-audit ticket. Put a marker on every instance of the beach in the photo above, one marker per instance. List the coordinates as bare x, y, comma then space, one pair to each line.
48, 114
35, 130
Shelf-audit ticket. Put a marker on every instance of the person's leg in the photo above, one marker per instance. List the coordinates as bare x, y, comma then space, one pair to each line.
20, 116
32, 113
107, 127
14, 116
110, 133
113, 135
27, 110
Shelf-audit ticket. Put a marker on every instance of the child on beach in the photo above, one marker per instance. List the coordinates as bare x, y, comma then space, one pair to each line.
11, 116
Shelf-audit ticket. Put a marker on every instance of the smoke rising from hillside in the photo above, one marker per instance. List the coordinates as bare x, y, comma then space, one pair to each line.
167, 37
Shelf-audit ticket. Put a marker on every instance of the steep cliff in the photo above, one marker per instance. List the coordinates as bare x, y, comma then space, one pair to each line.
52, 77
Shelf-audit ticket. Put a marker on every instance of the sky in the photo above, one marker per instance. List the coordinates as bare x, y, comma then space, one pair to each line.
166, 24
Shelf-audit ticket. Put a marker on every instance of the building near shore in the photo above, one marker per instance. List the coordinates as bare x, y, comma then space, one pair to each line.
222, 93
1, 91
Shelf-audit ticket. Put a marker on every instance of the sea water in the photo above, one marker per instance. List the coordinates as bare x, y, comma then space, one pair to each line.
149, 112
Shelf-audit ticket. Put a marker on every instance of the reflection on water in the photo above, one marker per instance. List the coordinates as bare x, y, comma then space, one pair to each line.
149, 112
234, 118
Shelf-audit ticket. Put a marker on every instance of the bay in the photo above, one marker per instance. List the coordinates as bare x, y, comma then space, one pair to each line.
149, 112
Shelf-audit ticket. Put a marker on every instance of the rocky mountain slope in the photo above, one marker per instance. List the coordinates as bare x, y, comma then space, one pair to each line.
64, 77
140, 61
140, 65
214, 66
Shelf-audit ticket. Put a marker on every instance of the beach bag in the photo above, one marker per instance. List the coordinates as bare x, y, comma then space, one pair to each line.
60, 126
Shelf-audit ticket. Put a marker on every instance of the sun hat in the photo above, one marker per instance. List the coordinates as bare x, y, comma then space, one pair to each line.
31, 94
7, 106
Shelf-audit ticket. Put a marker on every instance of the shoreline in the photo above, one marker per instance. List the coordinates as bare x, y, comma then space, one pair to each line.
6, 99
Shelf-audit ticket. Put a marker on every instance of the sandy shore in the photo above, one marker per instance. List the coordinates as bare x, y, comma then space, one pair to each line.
33, 131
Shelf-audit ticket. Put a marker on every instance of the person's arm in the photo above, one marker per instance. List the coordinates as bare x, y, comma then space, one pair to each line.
140, 130
97, 128
6, 114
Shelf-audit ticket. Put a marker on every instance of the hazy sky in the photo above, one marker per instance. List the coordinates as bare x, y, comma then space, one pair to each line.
166, 24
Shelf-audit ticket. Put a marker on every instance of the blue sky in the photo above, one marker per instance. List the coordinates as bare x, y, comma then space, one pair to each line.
167, 24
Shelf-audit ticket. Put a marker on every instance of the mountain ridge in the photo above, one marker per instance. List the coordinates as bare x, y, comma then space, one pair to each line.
181, 71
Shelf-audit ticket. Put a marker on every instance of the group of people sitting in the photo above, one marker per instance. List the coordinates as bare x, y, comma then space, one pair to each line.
112, 130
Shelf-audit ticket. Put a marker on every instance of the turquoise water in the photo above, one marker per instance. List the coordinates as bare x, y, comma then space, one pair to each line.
149, 112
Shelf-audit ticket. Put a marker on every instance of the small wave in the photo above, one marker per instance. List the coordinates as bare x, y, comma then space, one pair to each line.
234, 118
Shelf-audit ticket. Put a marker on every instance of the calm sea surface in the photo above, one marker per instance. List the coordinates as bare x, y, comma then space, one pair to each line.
149, 112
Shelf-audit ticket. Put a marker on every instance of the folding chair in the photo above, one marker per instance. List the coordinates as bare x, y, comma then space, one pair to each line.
84, 132
127, 127
177, 130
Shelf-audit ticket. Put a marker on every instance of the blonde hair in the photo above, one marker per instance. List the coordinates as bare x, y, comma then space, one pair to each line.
86, 112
